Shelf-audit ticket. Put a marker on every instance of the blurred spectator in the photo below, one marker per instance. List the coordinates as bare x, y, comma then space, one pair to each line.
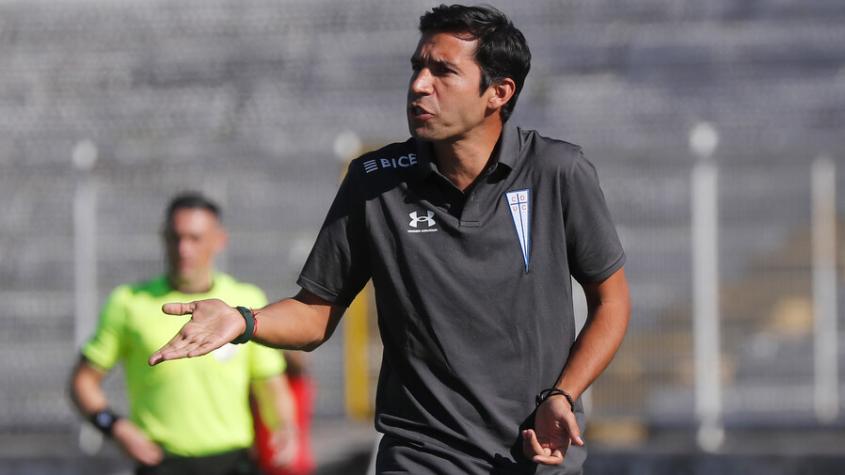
302, 389
192, 417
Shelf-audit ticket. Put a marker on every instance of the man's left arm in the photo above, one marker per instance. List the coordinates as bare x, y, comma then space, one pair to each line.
555, 427
277, 408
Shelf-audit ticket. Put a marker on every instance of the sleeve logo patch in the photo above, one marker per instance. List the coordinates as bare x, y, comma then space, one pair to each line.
404, 161
520, 207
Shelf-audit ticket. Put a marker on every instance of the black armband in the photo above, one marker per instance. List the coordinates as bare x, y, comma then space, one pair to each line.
547, 393
104, 421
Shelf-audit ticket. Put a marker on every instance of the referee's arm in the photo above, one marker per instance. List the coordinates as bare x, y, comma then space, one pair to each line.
89, 398
302, 322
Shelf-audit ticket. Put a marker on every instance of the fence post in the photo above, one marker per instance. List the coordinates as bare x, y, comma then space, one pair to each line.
85, 264
705, 253
826, 351
84, 241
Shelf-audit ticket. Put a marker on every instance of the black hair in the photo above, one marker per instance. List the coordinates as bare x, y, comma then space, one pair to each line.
502, 50
191, 200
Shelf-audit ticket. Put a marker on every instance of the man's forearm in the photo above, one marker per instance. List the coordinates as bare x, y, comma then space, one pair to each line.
299, 323
609, 311
86, 392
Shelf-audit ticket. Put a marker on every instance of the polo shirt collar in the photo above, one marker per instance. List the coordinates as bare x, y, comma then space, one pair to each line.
425, 157
506, 153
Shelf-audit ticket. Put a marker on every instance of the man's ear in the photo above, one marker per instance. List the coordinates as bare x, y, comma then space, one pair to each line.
502, 92
222, 240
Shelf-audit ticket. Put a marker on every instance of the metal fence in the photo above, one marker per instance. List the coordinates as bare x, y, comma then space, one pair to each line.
735, 320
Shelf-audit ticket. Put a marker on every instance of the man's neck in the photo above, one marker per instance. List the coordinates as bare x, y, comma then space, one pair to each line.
193, 286
462, 160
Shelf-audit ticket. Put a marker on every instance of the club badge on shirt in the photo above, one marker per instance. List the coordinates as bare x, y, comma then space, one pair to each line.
520, 207
225, 352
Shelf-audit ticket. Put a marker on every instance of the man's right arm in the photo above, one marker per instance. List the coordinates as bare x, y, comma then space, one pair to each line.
86, 388
302, 322
89, 398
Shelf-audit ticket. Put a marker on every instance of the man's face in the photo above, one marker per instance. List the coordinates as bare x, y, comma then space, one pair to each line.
444, 102
193, 238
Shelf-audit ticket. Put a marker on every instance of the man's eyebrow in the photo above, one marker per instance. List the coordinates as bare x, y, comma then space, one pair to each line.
416, 59
443, 62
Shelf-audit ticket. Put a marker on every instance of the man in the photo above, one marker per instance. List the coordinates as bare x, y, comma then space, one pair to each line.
470, 231
192, 417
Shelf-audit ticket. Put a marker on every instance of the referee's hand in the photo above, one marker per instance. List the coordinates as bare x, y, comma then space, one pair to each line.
136, 443
212, 325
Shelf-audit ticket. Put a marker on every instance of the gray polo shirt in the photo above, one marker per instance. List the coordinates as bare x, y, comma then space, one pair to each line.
472, 289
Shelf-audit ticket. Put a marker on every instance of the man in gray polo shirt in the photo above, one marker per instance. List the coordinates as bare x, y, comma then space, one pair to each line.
470, 231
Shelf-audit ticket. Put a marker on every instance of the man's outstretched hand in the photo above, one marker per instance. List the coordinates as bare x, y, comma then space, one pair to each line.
212, 325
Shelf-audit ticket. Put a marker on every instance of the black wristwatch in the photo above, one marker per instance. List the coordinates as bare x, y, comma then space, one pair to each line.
104, 420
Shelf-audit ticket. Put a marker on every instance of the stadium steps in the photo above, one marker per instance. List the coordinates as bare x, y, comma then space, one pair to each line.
766, 340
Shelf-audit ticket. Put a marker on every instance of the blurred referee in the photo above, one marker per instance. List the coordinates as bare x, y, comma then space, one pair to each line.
192, 417
470, 231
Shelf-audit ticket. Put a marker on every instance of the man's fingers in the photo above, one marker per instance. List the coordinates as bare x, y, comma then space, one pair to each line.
185, 351
526, 445
184, 347
165, 355
200, 335
177, 308
556, 458
531, 446
537, 453
155, 359
574, 431
202, 349
177, 347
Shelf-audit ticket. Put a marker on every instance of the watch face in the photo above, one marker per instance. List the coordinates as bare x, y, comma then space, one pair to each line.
104, 419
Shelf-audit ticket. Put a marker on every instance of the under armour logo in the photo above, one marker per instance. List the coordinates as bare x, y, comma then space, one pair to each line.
428, 219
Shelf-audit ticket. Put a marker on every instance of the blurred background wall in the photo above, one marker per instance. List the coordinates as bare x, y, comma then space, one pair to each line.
108, 108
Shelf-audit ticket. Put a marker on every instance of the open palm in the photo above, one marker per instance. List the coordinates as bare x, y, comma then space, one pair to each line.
212, 325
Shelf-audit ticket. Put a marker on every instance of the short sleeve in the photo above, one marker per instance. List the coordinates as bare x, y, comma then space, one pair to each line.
264, 361
338, 266
593, 247
105, 346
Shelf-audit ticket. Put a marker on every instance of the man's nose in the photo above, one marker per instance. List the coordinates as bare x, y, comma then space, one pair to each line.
183, 247
421, 82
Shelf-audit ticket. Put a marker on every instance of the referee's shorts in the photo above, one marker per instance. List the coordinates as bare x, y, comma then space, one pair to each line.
236, 462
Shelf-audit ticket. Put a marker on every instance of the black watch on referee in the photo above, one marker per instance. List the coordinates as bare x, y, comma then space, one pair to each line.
104, 421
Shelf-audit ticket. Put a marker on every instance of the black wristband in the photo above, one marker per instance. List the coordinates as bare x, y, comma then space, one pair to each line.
547, 393
249, 318
104, 421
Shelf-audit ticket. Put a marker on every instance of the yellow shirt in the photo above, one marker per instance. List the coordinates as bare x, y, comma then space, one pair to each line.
191, 407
